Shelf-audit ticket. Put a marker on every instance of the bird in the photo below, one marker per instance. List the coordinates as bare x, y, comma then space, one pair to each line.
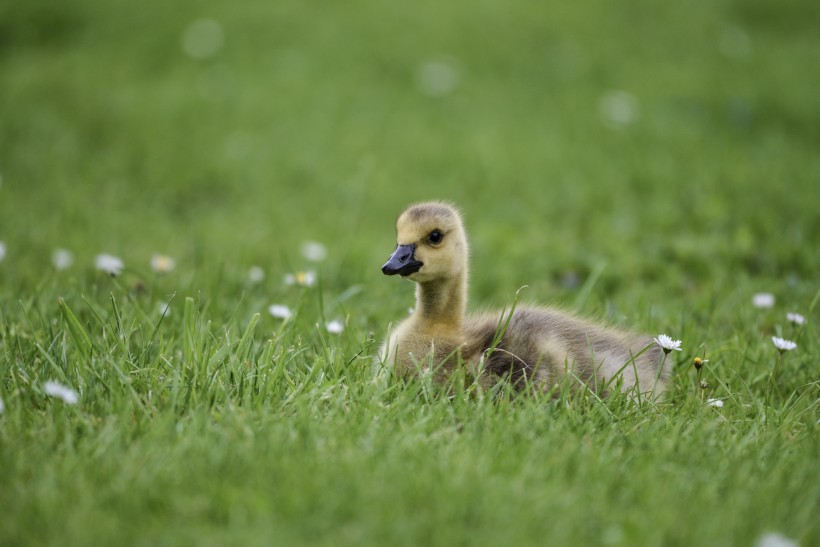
532, 347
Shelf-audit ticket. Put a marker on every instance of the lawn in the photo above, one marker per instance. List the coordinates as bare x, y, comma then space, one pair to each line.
652, 166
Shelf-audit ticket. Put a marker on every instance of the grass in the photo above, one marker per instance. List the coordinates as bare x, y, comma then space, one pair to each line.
218, 423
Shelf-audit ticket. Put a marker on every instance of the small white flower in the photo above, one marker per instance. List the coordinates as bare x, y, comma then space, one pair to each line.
437, 78
715, 402
256, 274
109, 264
763, 300
335, 326
773, 539
782, 344
734, 43
796, 318
162, 264
203, 38
2, 251
280, 311
618, 108
62, 259
303, 279
164, 308
58, 390
667, 343
314, 251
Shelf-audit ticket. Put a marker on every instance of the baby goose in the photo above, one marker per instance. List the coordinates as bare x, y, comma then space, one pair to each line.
539, 346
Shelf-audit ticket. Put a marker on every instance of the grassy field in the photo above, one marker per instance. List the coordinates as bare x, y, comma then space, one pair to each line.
650, 165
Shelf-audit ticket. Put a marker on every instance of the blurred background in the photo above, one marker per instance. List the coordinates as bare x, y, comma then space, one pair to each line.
673, 146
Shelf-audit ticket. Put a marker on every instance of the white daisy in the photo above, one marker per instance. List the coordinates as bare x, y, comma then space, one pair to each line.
782, 344
203, 38
335, 326
303, 279
715, 402
109, 264
62, 259
437, 78
164, 308
256, 274
734, 43
314, 251
763, 300
618, 108
796, 318
667, 343
773, 539
2, 251
58, 390
162, 264
280, 311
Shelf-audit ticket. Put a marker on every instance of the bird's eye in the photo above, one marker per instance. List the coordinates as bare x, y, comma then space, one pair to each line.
435, 237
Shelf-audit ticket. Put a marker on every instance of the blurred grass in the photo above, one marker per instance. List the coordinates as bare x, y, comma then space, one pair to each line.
315, 121
323, 98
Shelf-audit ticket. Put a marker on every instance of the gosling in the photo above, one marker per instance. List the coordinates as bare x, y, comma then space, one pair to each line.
530, 346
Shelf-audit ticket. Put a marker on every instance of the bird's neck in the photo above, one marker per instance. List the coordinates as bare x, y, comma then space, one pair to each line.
440, 304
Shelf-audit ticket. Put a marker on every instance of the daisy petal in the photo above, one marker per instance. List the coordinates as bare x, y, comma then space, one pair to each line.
62, 259
763, 300
59, 391
162, 264
796, 318
280, 311
314, 251
256, 274
109, 264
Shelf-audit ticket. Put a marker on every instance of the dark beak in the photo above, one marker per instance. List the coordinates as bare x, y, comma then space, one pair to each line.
402, 261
